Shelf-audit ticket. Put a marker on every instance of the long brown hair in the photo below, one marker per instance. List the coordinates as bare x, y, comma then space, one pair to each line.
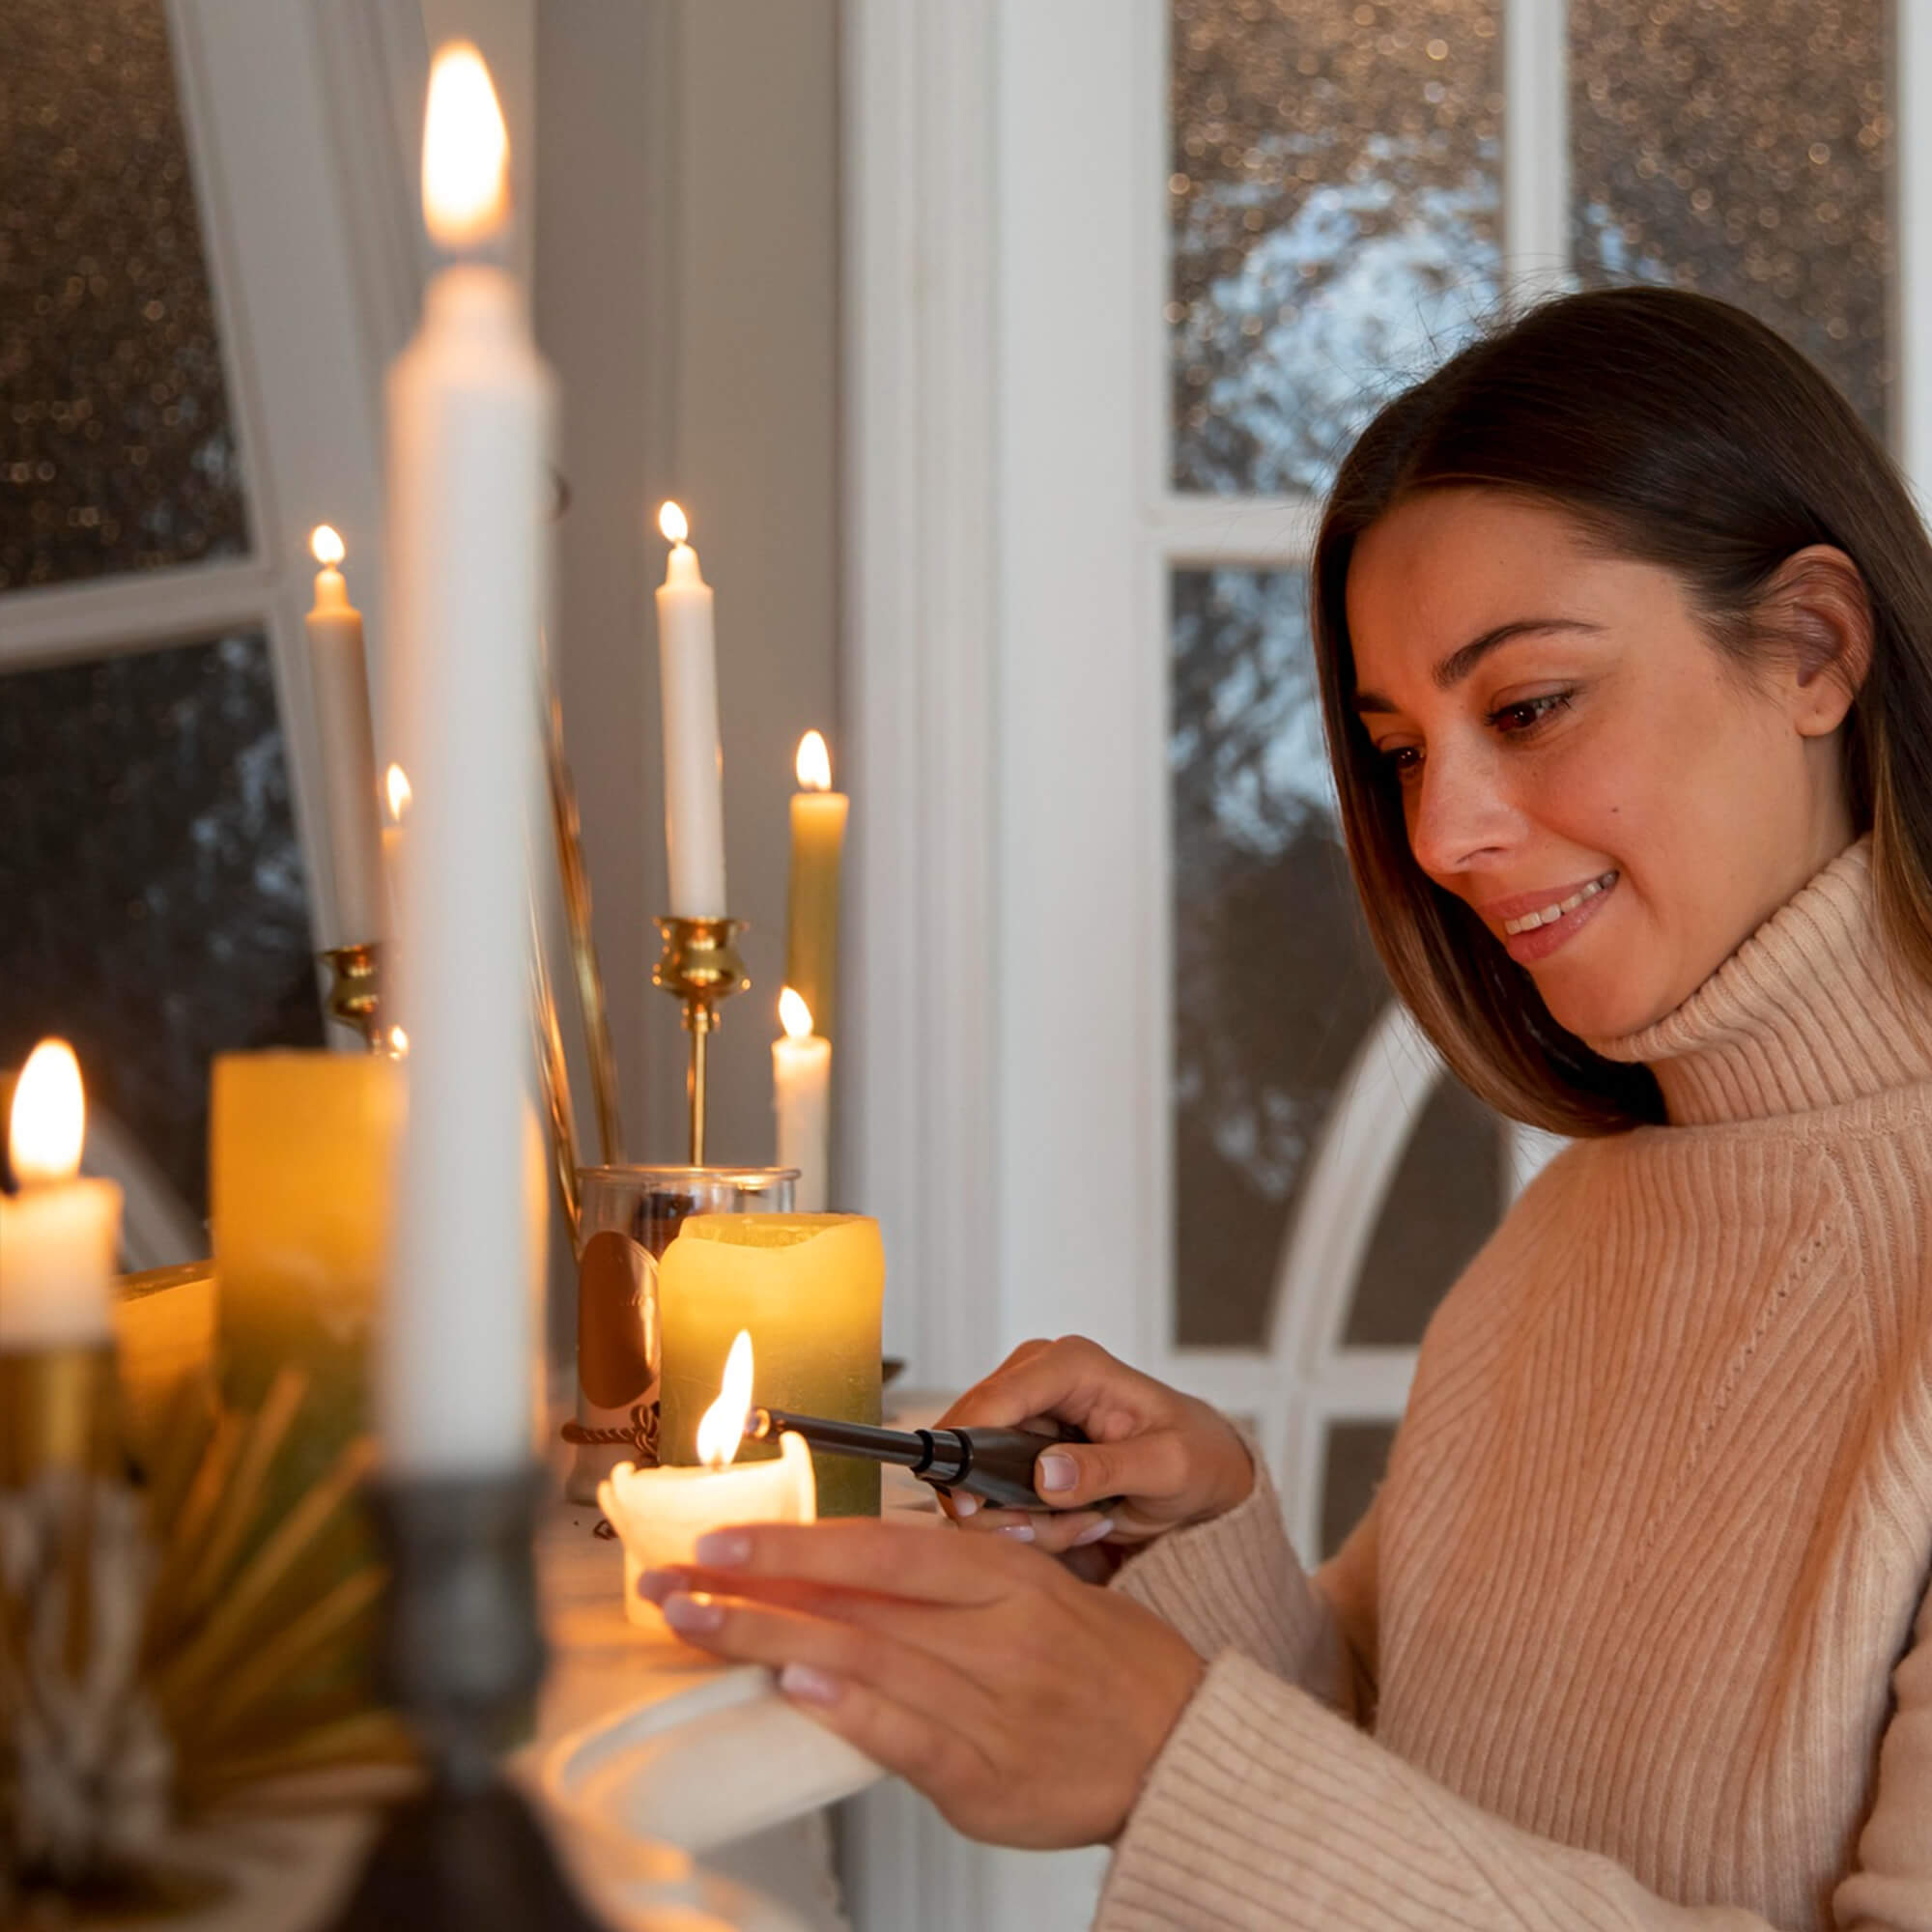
1679, 432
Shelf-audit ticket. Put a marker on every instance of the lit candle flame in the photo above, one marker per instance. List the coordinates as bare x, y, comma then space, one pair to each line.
396, 783
814, 763
326, 546
794, 1016
674, 524
49, 1117
722, 1426
399, 1043
466, 161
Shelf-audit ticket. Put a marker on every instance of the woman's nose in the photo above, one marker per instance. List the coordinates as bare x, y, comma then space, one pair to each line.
1457, 815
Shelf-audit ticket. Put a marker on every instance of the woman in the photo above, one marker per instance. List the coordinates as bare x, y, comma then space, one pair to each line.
1625, 631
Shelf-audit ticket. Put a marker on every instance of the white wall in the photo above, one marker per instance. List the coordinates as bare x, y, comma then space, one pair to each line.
686, 291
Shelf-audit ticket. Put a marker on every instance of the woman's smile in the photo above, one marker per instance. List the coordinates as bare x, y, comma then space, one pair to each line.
1532, 925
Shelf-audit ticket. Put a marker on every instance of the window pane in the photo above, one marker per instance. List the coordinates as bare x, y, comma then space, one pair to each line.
1274, 982
117, 452
1447, 1195
1358, 1453
155, 905
1335, 220
1745, 154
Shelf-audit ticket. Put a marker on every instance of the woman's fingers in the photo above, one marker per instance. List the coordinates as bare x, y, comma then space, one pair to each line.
853, 1553
756, 1632
1154, 1465
928, 1756
1064, 1379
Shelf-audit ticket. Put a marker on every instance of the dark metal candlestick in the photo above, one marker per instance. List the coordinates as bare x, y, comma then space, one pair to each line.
463, 1657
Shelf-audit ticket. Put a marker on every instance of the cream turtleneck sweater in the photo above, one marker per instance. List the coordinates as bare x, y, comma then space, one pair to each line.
1635, 1633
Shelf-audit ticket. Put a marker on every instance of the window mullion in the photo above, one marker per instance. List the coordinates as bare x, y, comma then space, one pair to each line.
1536, 149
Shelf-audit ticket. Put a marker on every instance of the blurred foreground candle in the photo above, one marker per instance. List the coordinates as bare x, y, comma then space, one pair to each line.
301, 1148
801, 1098
694, 759
339, 677
468, 412
396, 798
60, 1236
810, 1289
812, 921
661, 1512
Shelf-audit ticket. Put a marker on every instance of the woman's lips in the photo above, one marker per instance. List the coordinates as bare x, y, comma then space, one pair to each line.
1540, 941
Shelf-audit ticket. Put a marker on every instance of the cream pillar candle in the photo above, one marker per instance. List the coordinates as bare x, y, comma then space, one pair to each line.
339, 678
809, 1288
694, 759
468, 416
811, 917
659, 1514
60, 1236
801, 1098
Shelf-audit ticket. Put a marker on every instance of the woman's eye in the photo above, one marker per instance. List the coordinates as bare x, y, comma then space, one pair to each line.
1404, 760
1530, 712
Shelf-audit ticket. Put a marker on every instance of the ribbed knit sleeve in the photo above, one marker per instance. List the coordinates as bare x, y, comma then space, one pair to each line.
1266, 1812
1234, 1584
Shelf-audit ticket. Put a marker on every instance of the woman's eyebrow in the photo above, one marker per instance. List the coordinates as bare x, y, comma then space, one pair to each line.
1459, 662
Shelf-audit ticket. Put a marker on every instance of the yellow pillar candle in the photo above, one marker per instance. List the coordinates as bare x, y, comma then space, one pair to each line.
810, 1289
811, 924
301, 1148
659, 1514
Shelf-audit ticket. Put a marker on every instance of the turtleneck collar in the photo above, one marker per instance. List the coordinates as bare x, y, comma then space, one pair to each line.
1808, 1012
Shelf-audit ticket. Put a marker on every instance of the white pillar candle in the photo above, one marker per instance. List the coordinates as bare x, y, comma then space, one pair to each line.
659, 1514
338, 675
468, 416
802, 1096
694, 759
60, 1236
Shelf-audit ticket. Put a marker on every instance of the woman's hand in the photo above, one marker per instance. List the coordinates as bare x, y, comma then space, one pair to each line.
1026, 1705
1166, 1458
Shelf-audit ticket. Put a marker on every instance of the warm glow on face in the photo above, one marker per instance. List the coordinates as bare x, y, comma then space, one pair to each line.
326, 546
49, 1117
671, 520
396, 783
794, 1016
465, 150
814, 763
722, 1426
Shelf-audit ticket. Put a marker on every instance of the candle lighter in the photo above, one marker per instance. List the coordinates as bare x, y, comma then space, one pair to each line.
995, 1464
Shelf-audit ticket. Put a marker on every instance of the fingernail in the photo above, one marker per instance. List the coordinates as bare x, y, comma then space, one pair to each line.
1058, 1472
655, 1585
691, 1616
965, 1505
809, 1686
1094, 1533
724, 1550
1020, 1532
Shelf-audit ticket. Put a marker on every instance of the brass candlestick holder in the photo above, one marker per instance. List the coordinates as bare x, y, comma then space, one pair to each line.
699, 967
356, 990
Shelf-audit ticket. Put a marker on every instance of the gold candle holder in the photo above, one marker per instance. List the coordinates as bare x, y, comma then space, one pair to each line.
699, 967
356, 990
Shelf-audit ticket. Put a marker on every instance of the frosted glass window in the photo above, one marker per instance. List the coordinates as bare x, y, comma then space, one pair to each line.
117, 451
1447, 1195
1745, 153
1357, 1456
1276, 984
1335, 221
155, 907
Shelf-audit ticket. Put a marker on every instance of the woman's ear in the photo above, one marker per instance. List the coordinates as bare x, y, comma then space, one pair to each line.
1818, 609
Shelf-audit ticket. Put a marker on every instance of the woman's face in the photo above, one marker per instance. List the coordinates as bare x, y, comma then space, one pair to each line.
1619, 803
